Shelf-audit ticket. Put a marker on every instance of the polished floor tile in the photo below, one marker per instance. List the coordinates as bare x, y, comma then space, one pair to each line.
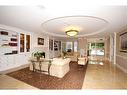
101, 74
7, 82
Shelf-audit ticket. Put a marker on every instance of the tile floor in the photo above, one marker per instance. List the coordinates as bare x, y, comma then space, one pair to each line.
7, 82
101, 74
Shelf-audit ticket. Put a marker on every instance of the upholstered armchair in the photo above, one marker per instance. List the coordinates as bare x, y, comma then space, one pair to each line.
82, 60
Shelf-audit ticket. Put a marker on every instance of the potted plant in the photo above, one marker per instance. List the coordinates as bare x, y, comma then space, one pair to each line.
38, 55
64, 53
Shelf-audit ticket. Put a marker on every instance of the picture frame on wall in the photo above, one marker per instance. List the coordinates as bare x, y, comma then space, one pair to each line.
40, 41
123, 42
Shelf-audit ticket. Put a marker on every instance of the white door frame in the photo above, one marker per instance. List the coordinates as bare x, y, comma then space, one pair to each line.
115, 34
113, 48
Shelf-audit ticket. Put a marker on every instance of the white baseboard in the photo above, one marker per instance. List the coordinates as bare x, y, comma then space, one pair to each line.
123, 69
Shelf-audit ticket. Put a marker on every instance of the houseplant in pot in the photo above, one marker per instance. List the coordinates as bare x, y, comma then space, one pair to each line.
38, 55
64, 54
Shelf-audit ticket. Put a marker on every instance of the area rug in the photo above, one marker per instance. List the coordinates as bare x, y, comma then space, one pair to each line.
72, 80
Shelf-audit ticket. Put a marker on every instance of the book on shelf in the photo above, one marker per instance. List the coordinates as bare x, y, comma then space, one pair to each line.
3, 33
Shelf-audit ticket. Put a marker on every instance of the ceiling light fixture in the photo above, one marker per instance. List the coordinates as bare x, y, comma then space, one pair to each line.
72, 32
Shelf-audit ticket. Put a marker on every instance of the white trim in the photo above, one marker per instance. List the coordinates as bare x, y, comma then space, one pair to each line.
79, 35
125, 70
111, 48
115, 47
121, 56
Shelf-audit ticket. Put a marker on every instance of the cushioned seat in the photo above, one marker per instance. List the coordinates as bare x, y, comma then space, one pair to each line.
82, 60
60, 67
72, 55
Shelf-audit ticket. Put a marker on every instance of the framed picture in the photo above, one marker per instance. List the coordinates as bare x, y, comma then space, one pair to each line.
123, 42
56, 45
50, 44
40, 41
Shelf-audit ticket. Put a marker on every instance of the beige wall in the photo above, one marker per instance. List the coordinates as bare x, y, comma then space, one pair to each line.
45, 47
82, 45
121, 57
36, 47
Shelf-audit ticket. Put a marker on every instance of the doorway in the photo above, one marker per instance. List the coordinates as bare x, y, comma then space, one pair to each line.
96, 50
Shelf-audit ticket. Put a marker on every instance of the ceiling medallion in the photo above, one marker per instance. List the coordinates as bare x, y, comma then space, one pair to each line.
77, 25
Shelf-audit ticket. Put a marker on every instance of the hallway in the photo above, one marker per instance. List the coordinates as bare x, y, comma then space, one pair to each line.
101, 74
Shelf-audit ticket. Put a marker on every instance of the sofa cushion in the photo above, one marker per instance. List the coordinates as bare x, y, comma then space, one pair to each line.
61, 61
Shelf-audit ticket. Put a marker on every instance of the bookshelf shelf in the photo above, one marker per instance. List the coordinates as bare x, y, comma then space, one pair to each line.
8, 42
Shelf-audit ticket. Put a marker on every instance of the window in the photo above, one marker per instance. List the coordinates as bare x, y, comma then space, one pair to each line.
75, 46
96, 48
69, 46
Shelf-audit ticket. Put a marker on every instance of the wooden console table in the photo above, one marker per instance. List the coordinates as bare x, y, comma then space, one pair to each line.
42, 61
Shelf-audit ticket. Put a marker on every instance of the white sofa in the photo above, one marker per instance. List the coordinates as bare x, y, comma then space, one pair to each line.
59, 67
72, 55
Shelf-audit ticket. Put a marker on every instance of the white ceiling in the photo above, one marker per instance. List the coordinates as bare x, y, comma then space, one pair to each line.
97, 21
86, 25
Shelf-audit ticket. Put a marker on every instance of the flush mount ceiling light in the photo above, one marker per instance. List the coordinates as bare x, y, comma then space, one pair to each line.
72, 32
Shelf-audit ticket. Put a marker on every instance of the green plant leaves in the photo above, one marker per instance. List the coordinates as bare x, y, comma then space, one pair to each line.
38, 54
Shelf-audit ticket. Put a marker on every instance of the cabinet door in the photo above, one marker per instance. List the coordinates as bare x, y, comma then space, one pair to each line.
22, 43
4, 62
27, 43
22, 59
7, 62
10, 61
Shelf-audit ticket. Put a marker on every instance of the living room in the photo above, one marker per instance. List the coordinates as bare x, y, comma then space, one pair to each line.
77, 49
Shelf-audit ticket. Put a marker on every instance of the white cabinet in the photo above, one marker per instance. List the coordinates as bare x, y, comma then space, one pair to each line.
6, 62
12, 61
3, 62
8, 57
8, 42
22, 59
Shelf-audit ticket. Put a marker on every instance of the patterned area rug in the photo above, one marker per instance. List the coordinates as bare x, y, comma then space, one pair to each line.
72, 80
